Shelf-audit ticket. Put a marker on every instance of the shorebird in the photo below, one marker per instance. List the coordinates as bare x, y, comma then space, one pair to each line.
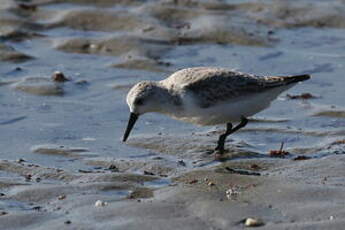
208, 96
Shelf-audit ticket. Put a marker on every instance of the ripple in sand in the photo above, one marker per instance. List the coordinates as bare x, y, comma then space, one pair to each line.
331, 113
300, 14
98, 3
131, 45
314, 133
39, 86
8, 53
61, 150
217, 29
13, 120
162, 167
98, 20
191, 147
143, 64
17, 35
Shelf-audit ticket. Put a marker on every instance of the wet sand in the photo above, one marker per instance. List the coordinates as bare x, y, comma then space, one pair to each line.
63, 165
286, 194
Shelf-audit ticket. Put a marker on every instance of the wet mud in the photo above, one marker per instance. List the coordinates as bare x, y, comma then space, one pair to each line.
65, 69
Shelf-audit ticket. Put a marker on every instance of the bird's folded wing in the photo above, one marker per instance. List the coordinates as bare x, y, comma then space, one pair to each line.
227, 85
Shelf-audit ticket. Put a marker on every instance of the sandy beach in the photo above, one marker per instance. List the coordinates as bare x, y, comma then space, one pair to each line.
63, 164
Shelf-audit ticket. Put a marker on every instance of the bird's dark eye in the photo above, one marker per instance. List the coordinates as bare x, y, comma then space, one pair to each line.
139, 101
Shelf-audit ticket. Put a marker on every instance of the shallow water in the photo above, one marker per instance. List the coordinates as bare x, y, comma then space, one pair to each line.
145, 43
61, 146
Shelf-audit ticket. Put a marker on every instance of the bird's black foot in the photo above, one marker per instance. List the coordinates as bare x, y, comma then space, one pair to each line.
219, 151
220, 156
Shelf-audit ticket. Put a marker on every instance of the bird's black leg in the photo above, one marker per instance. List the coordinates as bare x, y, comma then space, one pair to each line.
229, 130
221, 140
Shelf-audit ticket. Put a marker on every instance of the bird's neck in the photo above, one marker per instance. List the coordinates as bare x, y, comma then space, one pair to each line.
169, 101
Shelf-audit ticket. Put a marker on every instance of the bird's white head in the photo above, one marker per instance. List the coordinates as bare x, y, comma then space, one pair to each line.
142, 98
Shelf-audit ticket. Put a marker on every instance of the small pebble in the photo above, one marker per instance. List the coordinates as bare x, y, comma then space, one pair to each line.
182, 163
28, 177
29, 7
147, 29
157, 158
93, 46
301, 96
331, 218
230, 193
255, 167
2, 213
59, 77
253, 222
193, 181
300, 158
131, 194
148, 173
84, 171
20, 160
82, 82
113, 168
61, 197
38, 208
100, 203
68, 222
211, 183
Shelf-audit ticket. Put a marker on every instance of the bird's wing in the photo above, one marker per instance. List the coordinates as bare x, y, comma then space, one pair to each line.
213, 85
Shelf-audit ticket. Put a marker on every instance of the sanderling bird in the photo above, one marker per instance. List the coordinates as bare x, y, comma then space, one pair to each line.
208, 96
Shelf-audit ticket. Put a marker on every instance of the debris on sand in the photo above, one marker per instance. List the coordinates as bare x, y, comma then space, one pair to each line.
59, 77
255, 167
181, 163
193, 181
28, 177
2, 213
210, 183
232, 193
100, 203
113, 168
338, 142
242, 172
68, 222
61, 197
303, 96
20, 160
301, 158
148, 173
253, 222
280, 152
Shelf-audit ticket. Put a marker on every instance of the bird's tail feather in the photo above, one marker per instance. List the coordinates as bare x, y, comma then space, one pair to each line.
285, 80
296, 78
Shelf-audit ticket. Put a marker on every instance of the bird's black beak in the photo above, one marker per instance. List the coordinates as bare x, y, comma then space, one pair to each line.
132, 119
